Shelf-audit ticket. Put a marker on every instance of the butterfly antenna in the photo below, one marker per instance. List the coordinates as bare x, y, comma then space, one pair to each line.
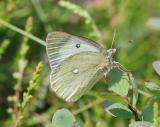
113, 38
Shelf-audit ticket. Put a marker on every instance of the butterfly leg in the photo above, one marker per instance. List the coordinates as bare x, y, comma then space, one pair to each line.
123, 69
130, 77
101, 66
115, 64
120, 67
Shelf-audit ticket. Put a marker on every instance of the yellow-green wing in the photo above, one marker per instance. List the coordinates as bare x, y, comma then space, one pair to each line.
62, 45
76, 75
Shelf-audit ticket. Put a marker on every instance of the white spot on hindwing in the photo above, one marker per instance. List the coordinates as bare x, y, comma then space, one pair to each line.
75, 71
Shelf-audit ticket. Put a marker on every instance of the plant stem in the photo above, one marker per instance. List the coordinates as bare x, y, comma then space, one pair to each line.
144, 93
42, 15
156, 113
18, 30
88, 106
134, 111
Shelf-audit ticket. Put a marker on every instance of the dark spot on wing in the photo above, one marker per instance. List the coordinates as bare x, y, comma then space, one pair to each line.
78, 45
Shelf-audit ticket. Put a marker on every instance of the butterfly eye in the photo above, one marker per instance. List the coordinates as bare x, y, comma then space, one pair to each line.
75, 71
78, 45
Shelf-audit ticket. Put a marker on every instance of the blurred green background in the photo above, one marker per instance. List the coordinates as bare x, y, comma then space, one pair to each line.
137, 41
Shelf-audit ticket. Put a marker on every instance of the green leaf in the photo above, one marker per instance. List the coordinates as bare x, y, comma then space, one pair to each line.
114, 98
141, 124
119, 110
63, 118
118, 82
147, 114
152, 87
134, 88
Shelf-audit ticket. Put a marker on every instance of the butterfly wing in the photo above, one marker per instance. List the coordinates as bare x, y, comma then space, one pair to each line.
156, 66
61, 45
76, 75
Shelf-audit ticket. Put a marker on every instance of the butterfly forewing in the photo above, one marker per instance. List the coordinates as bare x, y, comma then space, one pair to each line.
77, 74
61, 45
156, 66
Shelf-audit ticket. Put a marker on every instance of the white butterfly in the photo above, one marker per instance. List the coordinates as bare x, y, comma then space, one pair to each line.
77, 64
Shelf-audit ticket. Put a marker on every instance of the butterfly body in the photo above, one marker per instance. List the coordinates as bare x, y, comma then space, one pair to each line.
77, 64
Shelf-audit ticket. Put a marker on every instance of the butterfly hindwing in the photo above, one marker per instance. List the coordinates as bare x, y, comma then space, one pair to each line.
76, 75
61, 45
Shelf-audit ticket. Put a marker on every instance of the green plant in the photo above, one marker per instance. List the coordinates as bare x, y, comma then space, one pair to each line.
3, 47
110, 104
19, 105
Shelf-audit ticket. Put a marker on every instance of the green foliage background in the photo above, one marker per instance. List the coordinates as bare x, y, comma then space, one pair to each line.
138, 46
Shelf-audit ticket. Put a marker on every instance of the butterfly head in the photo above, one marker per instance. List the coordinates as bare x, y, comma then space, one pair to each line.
110, 52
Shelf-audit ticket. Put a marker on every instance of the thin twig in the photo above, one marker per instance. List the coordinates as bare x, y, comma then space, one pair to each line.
134, 111
144, 93
18, 30
42, 15
86, 107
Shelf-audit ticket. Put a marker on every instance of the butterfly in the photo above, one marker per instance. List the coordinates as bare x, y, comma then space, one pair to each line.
77, 63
